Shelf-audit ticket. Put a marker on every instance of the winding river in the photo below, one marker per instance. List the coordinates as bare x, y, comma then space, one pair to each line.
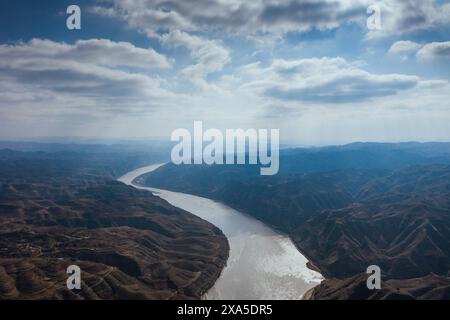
263, 264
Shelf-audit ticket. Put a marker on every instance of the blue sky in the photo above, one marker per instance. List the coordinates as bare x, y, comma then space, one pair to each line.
142, 68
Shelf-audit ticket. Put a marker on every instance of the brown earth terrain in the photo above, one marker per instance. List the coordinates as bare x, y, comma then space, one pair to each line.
430, 287
128, 243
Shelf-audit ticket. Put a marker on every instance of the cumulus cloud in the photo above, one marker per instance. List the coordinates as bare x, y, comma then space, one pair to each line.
286, 16
404, 47
88, 73
400, 17
323, 80
238, 16
210, 56
423, 52
434, 50
272, 16
96, 51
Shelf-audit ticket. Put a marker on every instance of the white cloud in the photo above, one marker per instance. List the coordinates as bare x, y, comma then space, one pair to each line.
95, 51
210, 56
237, 16
402, 47
322, 80
434, 50
59, 88
273, 16
88, 74
400, 17
423, 52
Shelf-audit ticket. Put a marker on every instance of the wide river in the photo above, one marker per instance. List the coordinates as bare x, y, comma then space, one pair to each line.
263, 263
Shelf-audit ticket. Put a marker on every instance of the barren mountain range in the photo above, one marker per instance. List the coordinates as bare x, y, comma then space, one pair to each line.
129, 244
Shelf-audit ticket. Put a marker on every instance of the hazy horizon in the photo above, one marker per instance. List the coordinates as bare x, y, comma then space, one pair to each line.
149, 140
